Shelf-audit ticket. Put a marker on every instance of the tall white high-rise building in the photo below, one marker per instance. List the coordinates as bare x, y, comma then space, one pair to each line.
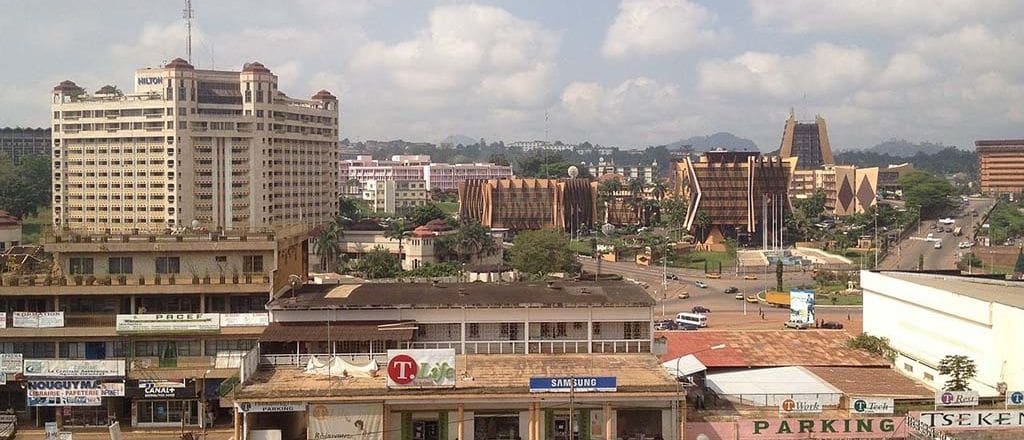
221, 149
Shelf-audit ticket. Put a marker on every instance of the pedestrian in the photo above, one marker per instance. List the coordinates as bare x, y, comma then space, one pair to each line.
847, 316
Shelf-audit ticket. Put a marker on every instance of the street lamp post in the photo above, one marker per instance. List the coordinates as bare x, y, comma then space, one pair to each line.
679, 397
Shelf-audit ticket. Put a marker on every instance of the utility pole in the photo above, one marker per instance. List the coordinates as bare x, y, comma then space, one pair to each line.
572, 401
876, 236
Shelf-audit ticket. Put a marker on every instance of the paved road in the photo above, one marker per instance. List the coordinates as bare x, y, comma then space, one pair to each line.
906, 256
727, 312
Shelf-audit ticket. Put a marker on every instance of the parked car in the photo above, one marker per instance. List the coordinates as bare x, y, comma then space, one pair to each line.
931, 226
672, 276
752, 299
714, 276
684, 295
731, 289
938, 245
739, 296
700, 309
701, 284
667, 324
832, 325
750, 277
799, 325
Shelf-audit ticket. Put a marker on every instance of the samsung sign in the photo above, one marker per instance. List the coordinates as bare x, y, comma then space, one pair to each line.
150, 80
568, 384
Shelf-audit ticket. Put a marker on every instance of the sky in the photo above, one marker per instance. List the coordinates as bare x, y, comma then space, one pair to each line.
627, 73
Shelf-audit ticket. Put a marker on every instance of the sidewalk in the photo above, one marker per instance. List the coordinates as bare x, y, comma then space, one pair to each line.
219, 433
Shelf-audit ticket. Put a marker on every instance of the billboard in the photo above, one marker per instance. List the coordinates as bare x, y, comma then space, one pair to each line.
872, 405
38, 319
839, 428
162, 389
956, 398
3, 319
66, 401
567, 384
259, 407
11, 363
421, 368
352, 421
169, 323
801, 306
800, 405
73, 368
244, 319
981, 419
62, 388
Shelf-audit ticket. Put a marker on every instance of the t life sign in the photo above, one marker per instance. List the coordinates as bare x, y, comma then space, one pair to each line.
572, 384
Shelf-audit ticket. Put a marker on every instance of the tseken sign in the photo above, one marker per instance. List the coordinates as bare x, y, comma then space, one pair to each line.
972, 420
169, 322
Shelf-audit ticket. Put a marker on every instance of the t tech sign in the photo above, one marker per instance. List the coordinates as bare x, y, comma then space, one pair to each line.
421, 368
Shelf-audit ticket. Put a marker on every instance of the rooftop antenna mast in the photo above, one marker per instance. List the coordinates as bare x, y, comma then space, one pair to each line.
187, 15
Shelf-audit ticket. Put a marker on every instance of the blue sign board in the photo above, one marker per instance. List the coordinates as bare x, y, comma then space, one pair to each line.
567, 384
1015, 398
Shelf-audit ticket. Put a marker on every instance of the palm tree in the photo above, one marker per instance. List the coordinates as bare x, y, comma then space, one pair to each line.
659, 189
636, 188
325, 243
397, 230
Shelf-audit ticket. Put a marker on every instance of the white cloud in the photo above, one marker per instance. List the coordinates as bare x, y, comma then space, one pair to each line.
637, 111
889, 16
825, 69
905, 69
651, 27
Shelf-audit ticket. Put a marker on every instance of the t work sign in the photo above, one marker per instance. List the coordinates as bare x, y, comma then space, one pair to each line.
568, 384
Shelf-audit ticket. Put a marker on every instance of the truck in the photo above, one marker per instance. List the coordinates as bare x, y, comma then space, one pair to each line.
777, 299
957, 231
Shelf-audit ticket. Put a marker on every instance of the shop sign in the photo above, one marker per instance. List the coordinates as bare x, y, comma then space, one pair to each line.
169, 323
782, 429
353, 421
3, 319
800, 405
73, 368
65, 401
956, 398
112, 389
38, 319
569, 384
262, 407
244, 319
1014, 398
986, 419
872, 405
163, 389
421, 368
63, 388
3, 378
11, 363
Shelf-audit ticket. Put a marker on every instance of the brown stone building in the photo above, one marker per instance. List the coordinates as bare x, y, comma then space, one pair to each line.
999, 164
807, 141
727, 192
523, 204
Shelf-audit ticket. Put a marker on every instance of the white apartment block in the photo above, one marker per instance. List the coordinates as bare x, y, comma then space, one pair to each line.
438, 176
394, 196
646, 173
225, 149
541, 145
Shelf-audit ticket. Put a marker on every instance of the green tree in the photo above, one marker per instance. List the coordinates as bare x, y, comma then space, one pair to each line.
378, 263
920, 262
325, 243
542, 252
960, 369
658, 189
704, 223
673, 212
470, 239
422, 214
398, 230
873, 344
778, 275
348, 210
25, 187
1019, 266
931, 193
969, 261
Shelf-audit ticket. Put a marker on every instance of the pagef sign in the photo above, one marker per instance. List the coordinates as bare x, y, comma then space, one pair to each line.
169, 322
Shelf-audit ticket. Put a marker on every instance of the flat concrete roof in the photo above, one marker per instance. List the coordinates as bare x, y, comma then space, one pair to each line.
522, 294
1009, 293
476, 375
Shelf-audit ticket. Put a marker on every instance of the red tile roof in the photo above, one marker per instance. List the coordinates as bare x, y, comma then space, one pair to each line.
6, 219
872, 382
767, 348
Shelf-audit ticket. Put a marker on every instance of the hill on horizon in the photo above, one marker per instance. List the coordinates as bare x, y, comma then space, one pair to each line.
904, 148
721, 139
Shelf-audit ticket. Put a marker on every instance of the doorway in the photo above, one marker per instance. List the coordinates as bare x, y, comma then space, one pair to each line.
425, 430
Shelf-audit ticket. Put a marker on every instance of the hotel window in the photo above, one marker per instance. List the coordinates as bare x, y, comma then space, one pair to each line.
80, 266
252, 264
168, 265
119, 265
908, 368
474, 330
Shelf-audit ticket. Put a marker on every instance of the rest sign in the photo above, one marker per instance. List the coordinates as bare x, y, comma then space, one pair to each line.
957, 398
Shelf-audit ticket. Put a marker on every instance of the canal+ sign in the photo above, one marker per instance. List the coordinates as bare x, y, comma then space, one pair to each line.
572, 384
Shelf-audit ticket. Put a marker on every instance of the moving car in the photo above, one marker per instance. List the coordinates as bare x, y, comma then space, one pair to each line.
714, 276
731, 289
752, 299
684, 295
700, 309
667, 324
799, 325
672, 276
691, 321
832, 325
739, 296
938, 245
750, 277
701, 284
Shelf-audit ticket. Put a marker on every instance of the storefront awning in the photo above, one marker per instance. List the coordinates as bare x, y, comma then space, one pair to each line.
685, 366
375, 331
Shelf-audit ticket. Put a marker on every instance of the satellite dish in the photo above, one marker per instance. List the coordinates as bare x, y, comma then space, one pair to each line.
574, 172
195, 224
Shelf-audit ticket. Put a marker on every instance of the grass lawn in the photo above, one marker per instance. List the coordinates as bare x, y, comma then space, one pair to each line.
450, 208
696, 260
32, 227
580, 246
841, 300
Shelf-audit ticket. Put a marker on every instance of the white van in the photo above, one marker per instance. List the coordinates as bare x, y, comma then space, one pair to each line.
692, 320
